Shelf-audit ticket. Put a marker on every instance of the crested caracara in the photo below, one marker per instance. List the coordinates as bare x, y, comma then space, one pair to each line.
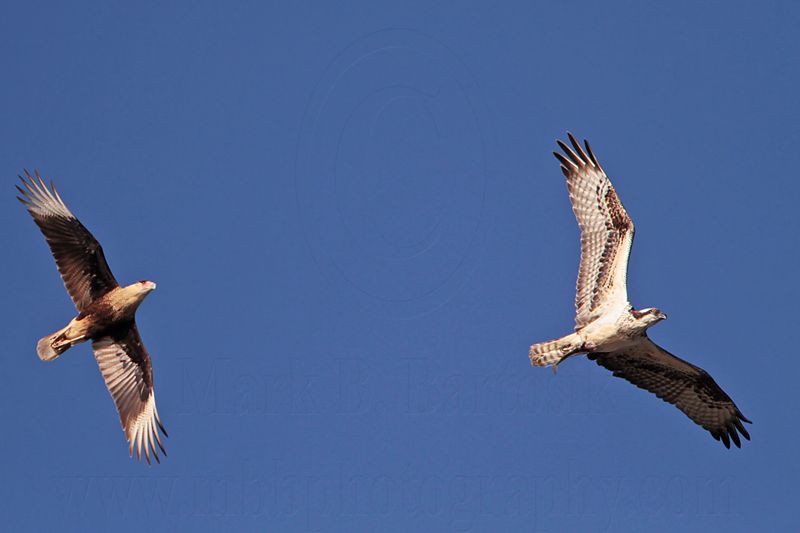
106, 316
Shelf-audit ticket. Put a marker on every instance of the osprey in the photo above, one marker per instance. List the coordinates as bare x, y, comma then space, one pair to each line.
607, 327
106, 314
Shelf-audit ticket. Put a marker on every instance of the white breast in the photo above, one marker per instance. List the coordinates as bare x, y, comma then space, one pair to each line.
607, 332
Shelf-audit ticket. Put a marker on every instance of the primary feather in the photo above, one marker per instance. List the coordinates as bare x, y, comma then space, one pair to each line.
106, 316
607, 327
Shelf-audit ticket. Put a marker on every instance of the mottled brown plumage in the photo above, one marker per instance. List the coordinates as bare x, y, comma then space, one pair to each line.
106, 316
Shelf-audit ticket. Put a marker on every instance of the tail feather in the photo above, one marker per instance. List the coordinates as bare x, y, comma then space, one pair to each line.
552, 352
49, 347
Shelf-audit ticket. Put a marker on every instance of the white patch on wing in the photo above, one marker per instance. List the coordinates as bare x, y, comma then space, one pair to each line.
135, 400
43, 201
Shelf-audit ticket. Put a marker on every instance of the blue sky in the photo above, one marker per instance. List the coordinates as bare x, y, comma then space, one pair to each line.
357, 229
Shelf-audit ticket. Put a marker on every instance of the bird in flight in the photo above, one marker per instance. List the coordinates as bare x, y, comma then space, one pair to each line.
607, 327
106, 316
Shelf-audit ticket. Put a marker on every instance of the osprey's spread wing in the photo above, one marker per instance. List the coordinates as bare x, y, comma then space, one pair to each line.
79, 257
125, 365
682, 384
606, 233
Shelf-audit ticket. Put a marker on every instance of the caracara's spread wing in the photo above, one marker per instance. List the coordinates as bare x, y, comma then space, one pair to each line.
79, 257
680, 383
606, 233
125, 365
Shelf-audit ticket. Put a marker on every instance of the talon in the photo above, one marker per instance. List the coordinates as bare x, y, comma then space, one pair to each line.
564, 358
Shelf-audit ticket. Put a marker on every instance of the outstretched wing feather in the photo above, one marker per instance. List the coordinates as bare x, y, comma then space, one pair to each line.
606, 233
127, 371
79, 257
689, 388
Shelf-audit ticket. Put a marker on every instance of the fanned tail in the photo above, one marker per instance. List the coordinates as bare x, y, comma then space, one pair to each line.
53, 345
552, 352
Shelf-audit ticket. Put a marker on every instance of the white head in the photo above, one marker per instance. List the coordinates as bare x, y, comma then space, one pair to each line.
648, 316
146, 286
136, 292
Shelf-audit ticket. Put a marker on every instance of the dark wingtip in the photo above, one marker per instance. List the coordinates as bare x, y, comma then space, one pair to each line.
24, 200
577, 150
591, 153
563, 160
160, 445
575, 156
741, 428
735, 437
571, 137
161, 426
22, 192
